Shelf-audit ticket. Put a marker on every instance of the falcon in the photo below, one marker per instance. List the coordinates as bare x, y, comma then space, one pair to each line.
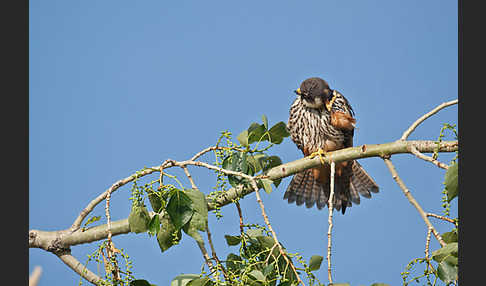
322, 120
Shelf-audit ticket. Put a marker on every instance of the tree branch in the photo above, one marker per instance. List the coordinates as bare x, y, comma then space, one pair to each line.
412, 200
331, 208
427, 115
79, 268
265, 218
428, 158
35, 276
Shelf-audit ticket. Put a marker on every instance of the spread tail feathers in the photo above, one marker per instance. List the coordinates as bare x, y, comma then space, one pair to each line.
304, 188
361, 183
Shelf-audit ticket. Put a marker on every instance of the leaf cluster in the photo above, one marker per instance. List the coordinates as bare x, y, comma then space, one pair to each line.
251, 160
258, 262
175, 211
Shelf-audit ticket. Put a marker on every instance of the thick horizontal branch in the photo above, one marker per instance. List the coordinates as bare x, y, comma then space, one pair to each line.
353, 153
51, 240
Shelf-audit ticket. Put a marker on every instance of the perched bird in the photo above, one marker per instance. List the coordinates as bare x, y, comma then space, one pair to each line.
321, 120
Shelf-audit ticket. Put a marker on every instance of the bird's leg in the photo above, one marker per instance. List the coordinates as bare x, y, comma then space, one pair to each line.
321, 153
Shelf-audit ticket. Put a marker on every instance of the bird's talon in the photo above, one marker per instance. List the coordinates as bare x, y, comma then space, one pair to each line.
321, 153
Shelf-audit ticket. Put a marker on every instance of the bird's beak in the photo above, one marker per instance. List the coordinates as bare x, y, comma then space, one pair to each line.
297, 91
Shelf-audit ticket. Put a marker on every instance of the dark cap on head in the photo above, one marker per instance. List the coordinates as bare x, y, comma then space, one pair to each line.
313, 87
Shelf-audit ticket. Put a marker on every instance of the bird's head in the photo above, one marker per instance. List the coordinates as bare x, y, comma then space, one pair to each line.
314, 92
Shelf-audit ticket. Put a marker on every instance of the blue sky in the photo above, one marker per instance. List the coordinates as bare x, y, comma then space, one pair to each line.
119, 85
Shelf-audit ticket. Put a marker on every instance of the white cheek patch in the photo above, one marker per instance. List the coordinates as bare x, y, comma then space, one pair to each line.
316, 104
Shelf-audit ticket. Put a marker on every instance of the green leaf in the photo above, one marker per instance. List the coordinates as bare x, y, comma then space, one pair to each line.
447, 259
380, 284
449, 249
451, 181
154, 225
231, 163
204, 281
243, 138
165, 237
315, 262
271, 161
183, 279
200, 206
255, 161
140, 282
191, 228
267, 185
258, 275
244, 163
254, 232
278, 132
199, 219
447, 272
232, 240
450, 236
138, 219
269, 269
180, 209
265, 121
155, 201
256, 133
234, 262
266, 241
235, 160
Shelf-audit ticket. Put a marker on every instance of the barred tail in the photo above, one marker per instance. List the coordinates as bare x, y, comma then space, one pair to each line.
361, 183
304, 188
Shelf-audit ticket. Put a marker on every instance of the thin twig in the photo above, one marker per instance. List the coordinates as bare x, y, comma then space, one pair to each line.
237, 203
213, 251
110, 247
270, 253
77, 222
265, 218
442, 218
212, 148
205, 254
419, 155
35, 276
331, 208
79, 268
427, 115
188, 175
427, 243
412, 200
161, 177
